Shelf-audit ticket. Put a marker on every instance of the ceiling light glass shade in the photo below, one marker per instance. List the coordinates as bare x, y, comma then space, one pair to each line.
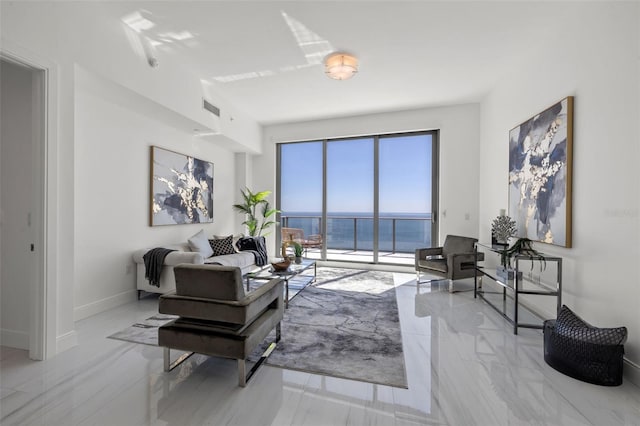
341, 66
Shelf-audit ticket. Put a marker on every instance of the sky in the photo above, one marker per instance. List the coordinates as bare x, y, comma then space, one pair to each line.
404, 183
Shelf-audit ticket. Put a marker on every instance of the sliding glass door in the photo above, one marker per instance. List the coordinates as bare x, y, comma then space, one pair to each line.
406, 193
350, 181
371, 199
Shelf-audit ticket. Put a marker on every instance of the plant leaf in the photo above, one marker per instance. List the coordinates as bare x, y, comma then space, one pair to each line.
242, 208
260, 196
270, 212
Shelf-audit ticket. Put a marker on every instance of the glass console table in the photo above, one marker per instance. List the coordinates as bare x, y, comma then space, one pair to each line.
518, 284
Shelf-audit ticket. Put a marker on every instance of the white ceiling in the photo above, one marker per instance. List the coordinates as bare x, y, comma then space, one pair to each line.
412, 54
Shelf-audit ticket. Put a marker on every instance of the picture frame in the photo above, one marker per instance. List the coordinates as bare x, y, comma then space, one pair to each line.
540, 175
181, 189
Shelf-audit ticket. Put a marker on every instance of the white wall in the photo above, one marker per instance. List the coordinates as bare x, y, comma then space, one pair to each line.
66, 34
111, 190
459, 143
76, 32
595, 60
16, 186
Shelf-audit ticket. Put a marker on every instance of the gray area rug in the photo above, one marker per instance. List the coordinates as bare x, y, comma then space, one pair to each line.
344, 325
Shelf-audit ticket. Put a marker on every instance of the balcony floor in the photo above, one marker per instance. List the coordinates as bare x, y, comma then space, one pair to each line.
363, 256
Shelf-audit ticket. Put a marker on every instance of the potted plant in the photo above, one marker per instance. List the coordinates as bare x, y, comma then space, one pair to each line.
257, 210
521, 246
297, 251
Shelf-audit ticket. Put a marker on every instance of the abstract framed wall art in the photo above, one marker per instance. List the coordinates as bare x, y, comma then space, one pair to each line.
540, 175
181, 189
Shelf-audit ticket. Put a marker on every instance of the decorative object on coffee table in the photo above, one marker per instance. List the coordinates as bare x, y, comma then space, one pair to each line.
297, 251
284, 249
281, 266
582, 351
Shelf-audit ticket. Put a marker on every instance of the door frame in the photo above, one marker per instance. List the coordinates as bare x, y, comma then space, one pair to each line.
43, 306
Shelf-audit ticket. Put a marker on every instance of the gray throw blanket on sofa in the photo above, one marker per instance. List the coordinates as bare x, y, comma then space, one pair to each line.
255, 245
153, 260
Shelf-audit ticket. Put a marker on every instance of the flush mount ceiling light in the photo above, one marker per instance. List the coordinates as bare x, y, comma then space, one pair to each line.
340, 66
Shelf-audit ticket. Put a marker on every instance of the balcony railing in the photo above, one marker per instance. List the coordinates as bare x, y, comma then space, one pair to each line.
395, 234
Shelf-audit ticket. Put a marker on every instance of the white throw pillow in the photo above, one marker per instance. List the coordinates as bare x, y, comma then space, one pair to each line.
200, 243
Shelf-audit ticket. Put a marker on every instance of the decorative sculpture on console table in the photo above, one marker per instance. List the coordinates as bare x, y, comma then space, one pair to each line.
503, 228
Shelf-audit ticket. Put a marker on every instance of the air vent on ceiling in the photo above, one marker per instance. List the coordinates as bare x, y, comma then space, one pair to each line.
211, 108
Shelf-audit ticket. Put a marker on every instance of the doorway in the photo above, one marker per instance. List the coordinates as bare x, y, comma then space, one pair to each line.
22, 195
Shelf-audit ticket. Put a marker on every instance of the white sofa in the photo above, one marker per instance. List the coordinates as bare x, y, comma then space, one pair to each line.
183, 254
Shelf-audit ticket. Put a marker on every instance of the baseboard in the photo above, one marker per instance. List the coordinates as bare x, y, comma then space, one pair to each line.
14, 339
66, 341
93, 308
632, 372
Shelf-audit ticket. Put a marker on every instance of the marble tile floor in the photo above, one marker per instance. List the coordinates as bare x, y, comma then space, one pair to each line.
464, 367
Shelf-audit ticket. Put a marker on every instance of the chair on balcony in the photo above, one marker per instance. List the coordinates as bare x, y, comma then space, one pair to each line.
453, 261
297, 235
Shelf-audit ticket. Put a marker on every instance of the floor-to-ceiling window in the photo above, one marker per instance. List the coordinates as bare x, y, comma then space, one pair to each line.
406, 191
300, 186
371, 199
350, 181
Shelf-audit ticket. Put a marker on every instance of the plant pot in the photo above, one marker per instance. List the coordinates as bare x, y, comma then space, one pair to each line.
507, 274
298, 260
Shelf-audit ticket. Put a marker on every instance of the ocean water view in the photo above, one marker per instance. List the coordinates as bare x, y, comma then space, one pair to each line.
398, 232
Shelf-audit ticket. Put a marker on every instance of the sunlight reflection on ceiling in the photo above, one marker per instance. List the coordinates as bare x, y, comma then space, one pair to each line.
137, 28
137, 22
314, 48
